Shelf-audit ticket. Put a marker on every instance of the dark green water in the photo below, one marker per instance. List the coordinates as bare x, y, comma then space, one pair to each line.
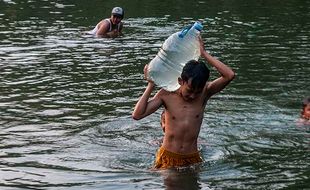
66, 98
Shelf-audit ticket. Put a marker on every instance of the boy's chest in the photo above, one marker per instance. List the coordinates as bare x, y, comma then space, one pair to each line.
178, 104
183, 114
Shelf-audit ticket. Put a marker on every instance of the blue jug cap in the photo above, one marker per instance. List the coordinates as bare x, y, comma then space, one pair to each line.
198, 26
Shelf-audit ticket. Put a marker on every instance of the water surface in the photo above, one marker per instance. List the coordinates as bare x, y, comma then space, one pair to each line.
66, 98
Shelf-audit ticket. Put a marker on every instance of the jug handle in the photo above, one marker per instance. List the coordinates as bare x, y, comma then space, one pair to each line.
184, 32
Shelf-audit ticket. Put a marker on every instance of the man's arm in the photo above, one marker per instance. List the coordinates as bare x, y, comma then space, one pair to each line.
144, 106
115, 33
103, 28
112, 34
227, 74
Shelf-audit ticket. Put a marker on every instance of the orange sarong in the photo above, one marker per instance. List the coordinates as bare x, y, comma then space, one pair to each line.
166, 159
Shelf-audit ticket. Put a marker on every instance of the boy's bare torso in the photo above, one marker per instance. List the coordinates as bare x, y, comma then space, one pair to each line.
183, 121
184, 108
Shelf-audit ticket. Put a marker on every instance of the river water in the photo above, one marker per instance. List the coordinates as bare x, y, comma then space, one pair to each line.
66, 98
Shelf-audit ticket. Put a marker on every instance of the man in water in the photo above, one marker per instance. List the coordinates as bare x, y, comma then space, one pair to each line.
184, 109
110, 27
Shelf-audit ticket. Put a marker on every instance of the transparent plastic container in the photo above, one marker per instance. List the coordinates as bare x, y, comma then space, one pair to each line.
175, 52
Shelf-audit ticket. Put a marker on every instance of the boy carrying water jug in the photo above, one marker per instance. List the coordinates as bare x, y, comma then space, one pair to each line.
184, 109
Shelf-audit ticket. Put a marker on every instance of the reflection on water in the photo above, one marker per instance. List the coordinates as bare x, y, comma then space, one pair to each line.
181, 180
66, 97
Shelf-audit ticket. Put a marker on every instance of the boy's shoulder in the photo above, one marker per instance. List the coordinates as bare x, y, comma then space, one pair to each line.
165, 92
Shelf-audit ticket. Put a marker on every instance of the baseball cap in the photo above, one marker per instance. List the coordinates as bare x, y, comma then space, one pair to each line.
118, 11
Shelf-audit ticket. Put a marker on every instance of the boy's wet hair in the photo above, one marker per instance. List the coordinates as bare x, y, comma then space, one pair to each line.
197, 71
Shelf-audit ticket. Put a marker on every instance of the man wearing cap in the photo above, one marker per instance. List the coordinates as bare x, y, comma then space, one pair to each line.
110, 27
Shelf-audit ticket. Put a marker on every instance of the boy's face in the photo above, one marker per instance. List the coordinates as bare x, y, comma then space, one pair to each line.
306, 112
188, 93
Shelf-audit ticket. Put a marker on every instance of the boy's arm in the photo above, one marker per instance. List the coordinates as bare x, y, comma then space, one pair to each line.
227, 74
144, 106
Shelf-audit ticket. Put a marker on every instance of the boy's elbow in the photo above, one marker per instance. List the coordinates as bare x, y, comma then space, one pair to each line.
135, 117
231, 75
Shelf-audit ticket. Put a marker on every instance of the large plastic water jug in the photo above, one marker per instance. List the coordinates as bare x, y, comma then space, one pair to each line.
175, 52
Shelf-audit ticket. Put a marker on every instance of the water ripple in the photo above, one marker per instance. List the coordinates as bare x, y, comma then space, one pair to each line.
66, 97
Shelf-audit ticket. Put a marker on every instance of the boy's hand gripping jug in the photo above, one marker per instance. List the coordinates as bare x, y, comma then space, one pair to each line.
175, 52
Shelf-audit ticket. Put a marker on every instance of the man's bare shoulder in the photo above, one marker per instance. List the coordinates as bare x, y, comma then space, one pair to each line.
104, 23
